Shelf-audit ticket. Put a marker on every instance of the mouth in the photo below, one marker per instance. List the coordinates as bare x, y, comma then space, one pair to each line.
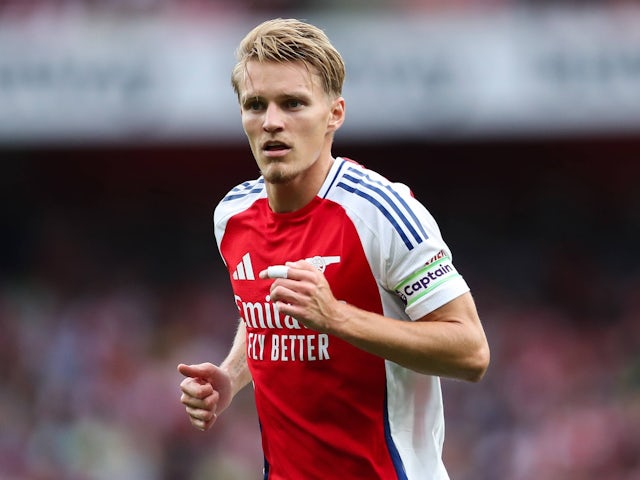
275, 147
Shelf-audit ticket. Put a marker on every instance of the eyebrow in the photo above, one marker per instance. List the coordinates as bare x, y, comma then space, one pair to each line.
282, 96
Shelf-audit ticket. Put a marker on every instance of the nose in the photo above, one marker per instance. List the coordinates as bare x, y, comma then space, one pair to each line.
273, 119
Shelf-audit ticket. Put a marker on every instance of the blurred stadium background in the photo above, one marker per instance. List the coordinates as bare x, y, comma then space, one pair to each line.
516, 122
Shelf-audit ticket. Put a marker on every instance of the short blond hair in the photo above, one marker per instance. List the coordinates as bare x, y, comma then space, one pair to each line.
291, 40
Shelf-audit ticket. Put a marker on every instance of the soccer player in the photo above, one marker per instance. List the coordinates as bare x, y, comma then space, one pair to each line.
351, 307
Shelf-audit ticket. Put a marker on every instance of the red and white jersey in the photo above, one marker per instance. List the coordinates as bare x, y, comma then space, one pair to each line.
326, 407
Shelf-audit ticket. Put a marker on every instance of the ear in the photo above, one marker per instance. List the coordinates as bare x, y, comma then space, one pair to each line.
336, 119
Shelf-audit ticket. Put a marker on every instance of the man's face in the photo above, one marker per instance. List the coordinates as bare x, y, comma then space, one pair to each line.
287, 117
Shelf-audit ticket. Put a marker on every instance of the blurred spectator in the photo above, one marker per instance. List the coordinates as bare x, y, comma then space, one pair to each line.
92, 328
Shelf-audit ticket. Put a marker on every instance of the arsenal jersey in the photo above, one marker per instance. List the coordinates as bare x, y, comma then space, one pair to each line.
327, 408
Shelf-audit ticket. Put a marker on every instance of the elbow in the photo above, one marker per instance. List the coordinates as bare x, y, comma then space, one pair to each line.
477, 364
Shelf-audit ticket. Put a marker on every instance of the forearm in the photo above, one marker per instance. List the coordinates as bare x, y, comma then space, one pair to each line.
447, 343
236, 361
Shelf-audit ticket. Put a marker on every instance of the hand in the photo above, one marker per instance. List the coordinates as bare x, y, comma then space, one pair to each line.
303, 292
206, 393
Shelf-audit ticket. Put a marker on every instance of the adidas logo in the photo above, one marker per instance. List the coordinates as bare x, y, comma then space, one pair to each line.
244, 270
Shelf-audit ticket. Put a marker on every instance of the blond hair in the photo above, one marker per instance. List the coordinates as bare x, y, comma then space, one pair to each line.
291, 40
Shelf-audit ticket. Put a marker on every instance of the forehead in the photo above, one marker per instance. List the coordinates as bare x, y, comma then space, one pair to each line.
266, 79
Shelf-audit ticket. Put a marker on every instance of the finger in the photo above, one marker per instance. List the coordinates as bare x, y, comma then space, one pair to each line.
196, 387
275, 271
202, 420
302, 265
207, 402
287, 270
202, 425
202, 370
278, 271
200, 414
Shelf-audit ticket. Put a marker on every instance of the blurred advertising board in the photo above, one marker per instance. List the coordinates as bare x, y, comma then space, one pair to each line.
78, 79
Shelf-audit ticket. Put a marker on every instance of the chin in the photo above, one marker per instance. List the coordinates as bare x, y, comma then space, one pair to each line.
276, 174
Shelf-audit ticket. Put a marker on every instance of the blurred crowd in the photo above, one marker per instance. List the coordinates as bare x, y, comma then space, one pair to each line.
89, 388
91, 339
276, 7
94, 317
151, 6
89, 392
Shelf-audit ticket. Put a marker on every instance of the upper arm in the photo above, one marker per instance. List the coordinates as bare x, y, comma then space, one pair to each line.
461, 309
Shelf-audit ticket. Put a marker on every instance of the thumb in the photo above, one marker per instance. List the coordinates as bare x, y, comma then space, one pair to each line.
201, 370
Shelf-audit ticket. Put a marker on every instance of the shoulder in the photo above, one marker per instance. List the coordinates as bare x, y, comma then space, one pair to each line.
386, 207
239, 198
250, 188
361, 182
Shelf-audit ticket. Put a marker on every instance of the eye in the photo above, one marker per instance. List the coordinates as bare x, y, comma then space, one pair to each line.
293, 104
254, 104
